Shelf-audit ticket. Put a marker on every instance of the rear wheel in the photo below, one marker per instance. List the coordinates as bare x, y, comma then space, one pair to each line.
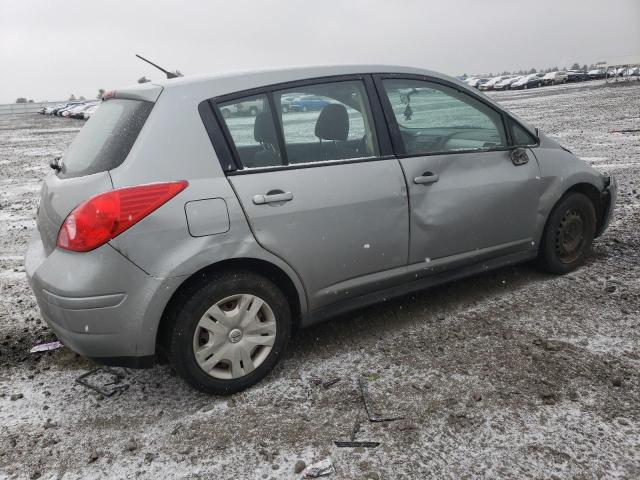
568, 234
228, 332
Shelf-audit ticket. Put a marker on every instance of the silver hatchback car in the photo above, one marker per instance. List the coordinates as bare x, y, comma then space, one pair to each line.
181, 224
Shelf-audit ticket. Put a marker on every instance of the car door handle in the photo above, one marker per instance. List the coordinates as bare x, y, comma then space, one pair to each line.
426, 178
274, 197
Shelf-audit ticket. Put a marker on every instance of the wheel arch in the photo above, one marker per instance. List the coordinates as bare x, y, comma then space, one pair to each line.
254, 265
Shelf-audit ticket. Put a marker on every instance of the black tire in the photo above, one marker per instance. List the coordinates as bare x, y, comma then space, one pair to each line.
568, 234
191, 305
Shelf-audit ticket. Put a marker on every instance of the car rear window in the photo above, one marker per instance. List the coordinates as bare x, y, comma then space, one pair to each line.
105, 141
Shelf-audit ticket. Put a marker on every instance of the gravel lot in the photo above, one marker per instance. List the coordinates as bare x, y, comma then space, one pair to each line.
510, 374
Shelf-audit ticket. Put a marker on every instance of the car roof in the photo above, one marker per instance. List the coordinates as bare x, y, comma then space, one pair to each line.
230, 82
202, 87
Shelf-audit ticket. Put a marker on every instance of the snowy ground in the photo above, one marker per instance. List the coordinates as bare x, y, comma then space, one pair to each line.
511, 374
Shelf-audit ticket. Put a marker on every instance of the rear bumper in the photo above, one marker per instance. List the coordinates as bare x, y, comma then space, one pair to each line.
99, 304
608, 200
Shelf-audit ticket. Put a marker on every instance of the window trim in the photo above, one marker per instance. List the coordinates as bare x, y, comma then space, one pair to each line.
224, 146
394, 129
513, 123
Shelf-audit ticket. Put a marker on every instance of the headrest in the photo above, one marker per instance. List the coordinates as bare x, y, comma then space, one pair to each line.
333, 123
263, 130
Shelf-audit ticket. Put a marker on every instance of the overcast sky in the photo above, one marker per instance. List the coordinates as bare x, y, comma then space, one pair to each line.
50, 49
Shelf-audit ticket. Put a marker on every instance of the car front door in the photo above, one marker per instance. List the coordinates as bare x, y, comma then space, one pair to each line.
317, 190
471, 196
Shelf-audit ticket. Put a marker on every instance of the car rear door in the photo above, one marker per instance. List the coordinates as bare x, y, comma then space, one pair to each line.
468, 199
317, 188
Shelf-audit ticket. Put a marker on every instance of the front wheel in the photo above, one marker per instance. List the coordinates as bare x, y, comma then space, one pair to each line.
568, 235
227, 333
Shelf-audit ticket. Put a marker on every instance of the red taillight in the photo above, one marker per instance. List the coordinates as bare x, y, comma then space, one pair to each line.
105, 216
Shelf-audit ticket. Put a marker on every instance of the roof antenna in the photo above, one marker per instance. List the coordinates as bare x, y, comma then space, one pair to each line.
166, 72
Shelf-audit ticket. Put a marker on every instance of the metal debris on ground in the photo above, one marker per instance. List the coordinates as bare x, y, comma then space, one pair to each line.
373, 416
353, 443
356, 444
627, 130
330, 383
319, 469
106, 381
45, 347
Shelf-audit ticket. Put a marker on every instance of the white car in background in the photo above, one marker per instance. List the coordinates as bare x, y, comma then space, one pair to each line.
491, 83
554, 78
72, 110
475, 82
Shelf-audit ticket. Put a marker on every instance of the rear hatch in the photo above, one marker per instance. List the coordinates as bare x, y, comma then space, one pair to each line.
101, 145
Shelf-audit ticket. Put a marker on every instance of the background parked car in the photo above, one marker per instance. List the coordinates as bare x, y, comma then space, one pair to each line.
488, 85
286, 101
528, 81
554, 78
68, 106
506, 83
307, 103
576, 76
78, 112
472, 81
51, 109
72, 110
596, 73
58, 110
476, 82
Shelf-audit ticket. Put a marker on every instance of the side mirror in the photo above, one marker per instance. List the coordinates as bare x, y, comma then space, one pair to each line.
519, 156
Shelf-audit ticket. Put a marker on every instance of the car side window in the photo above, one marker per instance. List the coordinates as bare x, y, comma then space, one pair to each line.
326, 121
520, 136
251, 127
433, 118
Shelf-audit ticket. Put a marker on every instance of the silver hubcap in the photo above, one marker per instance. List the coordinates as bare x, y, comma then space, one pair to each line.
234, 336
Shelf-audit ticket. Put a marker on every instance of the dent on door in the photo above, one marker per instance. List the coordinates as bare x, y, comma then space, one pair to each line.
469, 202
331, 223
